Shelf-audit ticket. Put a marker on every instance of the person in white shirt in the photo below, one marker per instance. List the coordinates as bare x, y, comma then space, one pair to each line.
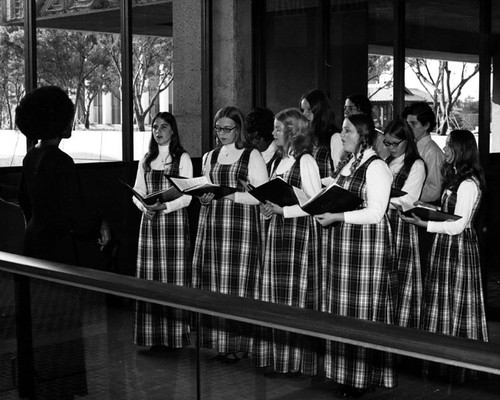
291, 271
422, 121
453, 300
408, 170
164, 249
227, 252
260, 127
360, 277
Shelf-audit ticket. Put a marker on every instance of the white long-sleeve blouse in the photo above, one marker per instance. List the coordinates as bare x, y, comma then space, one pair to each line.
414, 182
466, 196
164, 157
378, 188
310, 178
257, 171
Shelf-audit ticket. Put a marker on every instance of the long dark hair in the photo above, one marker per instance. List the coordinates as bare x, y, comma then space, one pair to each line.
402, 131
323, 124
237, 117
176, 150
465, 164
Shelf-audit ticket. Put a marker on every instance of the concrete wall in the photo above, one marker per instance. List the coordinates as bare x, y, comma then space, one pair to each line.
187, 73
232, 54
232, 62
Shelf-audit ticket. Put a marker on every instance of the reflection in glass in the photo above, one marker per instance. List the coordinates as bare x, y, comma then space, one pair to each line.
114, 369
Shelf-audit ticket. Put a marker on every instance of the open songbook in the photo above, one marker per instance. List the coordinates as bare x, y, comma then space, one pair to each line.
163, 196
199, 186
329, 199
425, 211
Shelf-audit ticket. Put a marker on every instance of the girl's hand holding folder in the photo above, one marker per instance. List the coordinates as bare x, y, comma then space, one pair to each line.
414, 219
206, 198
266, 209
327, 219
276, 208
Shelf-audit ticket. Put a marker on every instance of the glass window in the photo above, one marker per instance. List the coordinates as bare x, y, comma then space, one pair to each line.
153, 73
293, 57
380, 79
442, 56
83, 64
78, 50
495, 82
12, 142
153, 83
380, 88
359, 59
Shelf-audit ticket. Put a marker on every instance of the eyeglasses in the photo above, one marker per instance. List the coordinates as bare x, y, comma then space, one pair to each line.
350, 108
225, 129
392, 144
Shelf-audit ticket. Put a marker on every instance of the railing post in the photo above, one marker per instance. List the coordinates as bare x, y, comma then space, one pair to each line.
198, 364
25, 360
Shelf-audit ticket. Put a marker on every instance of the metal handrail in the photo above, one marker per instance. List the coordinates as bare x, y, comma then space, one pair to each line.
420, 344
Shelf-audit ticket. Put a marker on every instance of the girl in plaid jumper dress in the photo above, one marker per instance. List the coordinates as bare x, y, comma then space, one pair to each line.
453, 302
228, 246
291, 270
164, 250
409, 175
359, 282
317, 108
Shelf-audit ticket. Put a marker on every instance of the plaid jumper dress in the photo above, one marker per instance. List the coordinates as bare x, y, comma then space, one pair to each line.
323, 157
227, 254
321, 154
407, 259
291, 277
359, 285
164, 255
453, 301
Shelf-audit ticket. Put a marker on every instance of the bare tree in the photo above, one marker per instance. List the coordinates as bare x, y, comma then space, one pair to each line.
73, 60
439, 86
11, 73
378, 65
152, 71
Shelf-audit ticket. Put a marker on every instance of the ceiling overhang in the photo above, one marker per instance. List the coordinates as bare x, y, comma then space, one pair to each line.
151, 19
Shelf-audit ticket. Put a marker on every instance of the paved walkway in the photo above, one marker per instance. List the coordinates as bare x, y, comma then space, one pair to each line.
83, 146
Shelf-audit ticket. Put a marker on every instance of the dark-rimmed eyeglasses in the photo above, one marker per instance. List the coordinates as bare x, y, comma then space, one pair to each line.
392, 144
225, 129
